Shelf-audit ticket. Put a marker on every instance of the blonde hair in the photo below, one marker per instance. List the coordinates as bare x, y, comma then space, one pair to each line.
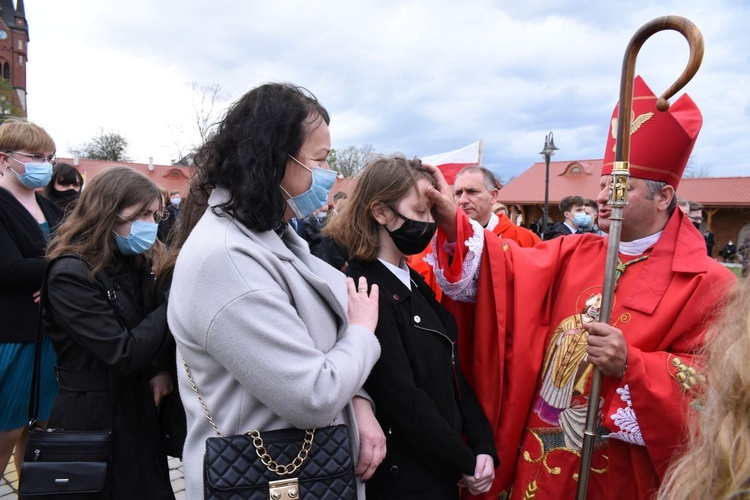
384, 180
17, 134
717, 462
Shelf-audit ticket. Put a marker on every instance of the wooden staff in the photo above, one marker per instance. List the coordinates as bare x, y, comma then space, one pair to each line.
618, 196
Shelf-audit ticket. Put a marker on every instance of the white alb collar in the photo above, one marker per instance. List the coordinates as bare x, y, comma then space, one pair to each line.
494, 221
637, 247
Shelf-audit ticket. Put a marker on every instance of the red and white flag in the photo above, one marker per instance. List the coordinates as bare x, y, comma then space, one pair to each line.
452, 162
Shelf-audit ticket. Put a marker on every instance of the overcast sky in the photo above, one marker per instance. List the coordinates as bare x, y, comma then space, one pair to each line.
414, 76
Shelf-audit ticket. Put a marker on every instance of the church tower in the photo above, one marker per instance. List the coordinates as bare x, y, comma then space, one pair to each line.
14, 38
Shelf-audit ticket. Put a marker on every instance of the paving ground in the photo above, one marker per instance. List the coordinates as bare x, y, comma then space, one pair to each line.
9, 483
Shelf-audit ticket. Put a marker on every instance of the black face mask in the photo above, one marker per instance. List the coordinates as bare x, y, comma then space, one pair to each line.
413, 236
63, 198
697, 225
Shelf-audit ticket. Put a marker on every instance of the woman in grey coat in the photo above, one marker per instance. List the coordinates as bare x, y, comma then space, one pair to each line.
273, 337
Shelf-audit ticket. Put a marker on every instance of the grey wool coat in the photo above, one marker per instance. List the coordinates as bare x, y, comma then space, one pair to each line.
262, 325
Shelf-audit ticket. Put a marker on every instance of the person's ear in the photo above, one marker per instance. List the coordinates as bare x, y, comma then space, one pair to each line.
493, 196
665, 196
379, 212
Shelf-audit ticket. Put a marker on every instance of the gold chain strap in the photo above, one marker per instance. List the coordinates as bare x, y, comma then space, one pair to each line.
260, 448
271, 464
200, 398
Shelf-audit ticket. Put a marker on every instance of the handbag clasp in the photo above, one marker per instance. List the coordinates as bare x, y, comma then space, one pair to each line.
283, 489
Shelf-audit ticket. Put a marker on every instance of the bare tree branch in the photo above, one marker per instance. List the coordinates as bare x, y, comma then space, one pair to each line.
109, 146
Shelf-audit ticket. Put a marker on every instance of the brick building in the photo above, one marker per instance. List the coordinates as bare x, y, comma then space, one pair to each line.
169, 177
14, 39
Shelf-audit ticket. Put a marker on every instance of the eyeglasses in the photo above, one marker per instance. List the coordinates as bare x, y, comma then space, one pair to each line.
35, 156
158, 217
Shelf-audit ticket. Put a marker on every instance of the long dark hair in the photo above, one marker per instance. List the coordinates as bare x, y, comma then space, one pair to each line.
88, 229
248, 153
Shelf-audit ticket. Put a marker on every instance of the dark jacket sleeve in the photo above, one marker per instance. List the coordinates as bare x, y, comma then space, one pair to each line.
477, 428
409, 408
79, 307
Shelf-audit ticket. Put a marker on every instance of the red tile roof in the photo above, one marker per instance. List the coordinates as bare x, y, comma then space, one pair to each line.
169, 177
581, 177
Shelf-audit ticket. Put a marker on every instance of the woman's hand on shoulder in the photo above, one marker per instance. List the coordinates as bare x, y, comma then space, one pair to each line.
484, 474
363, 306
371, 439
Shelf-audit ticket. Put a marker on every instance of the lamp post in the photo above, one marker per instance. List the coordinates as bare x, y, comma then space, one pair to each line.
547, 153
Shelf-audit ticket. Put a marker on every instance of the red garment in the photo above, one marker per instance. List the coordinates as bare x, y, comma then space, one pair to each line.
506, 229
661, 304
418, 263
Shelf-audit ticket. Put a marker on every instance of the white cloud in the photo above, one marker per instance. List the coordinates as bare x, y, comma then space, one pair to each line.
415, 76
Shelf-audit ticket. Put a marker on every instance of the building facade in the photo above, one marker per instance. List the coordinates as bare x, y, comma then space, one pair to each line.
14, 40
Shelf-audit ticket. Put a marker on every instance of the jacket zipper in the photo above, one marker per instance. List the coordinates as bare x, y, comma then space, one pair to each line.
453, 355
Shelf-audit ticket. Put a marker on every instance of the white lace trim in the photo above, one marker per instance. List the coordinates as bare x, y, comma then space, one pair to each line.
465, 289
625, 419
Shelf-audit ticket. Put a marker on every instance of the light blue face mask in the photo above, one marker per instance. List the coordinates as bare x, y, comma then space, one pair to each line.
308, 202
582, 219
142, 237
37, 175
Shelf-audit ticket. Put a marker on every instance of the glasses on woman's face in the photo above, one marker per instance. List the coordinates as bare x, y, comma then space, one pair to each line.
35, 157
158, 217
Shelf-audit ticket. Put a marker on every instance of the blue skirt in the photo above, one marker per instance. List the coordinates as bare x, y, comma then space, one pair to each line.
16, 369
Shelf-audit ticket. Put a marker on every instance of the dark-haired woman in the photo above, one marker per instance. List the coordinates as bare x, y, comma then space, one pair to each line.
108, 329
64, 187
26, 220
274, 337
438, 436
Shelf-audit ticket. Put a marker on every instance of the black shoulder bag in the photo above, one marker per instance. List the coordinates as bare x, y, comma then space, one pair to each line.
316, 464
59, 461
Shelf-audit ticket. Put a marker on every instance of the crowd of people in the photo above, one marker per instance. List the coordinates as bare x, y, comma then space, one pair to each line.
455, 346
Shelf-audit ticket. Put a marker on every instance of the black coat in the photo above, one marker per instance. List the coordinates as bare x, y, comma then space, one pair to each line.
558, 229
104, 364
22, 263
422, 401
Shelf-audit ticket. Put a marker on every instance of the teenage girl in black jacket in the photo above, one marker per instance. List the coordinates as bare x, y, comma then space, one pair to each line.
422, 401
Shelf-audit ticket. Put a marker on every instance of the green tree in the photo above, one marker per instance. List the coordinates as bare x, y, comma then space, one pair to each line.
109, 146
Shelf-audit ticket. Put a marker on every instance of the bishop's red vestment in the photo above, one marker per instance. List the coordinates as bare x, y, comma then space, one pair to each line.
524, 353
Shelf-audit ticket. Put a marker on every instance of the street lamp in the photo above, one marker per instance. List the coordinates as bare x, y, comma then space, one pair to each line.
547, 153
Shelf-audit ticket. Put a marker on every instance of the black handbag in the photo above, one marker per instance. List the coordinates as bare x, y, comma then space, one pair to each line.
59, 461
284, 464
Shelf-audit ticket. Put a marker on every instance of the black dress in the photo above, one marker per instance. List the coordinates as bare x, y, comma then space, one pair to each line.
104, 368
422, 401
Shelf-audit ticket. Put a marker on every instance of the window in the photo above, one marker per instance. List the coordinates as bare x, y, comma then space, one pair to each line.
20, 44
20, 60
6, 71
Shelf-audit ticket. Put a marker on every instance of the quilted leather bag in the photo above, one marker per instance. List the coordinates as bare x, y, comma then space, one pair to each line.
283, 464
233, 469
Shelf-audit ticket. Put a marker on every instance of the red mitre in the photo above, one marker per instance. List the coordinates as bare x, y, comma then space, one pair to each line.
660, 142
